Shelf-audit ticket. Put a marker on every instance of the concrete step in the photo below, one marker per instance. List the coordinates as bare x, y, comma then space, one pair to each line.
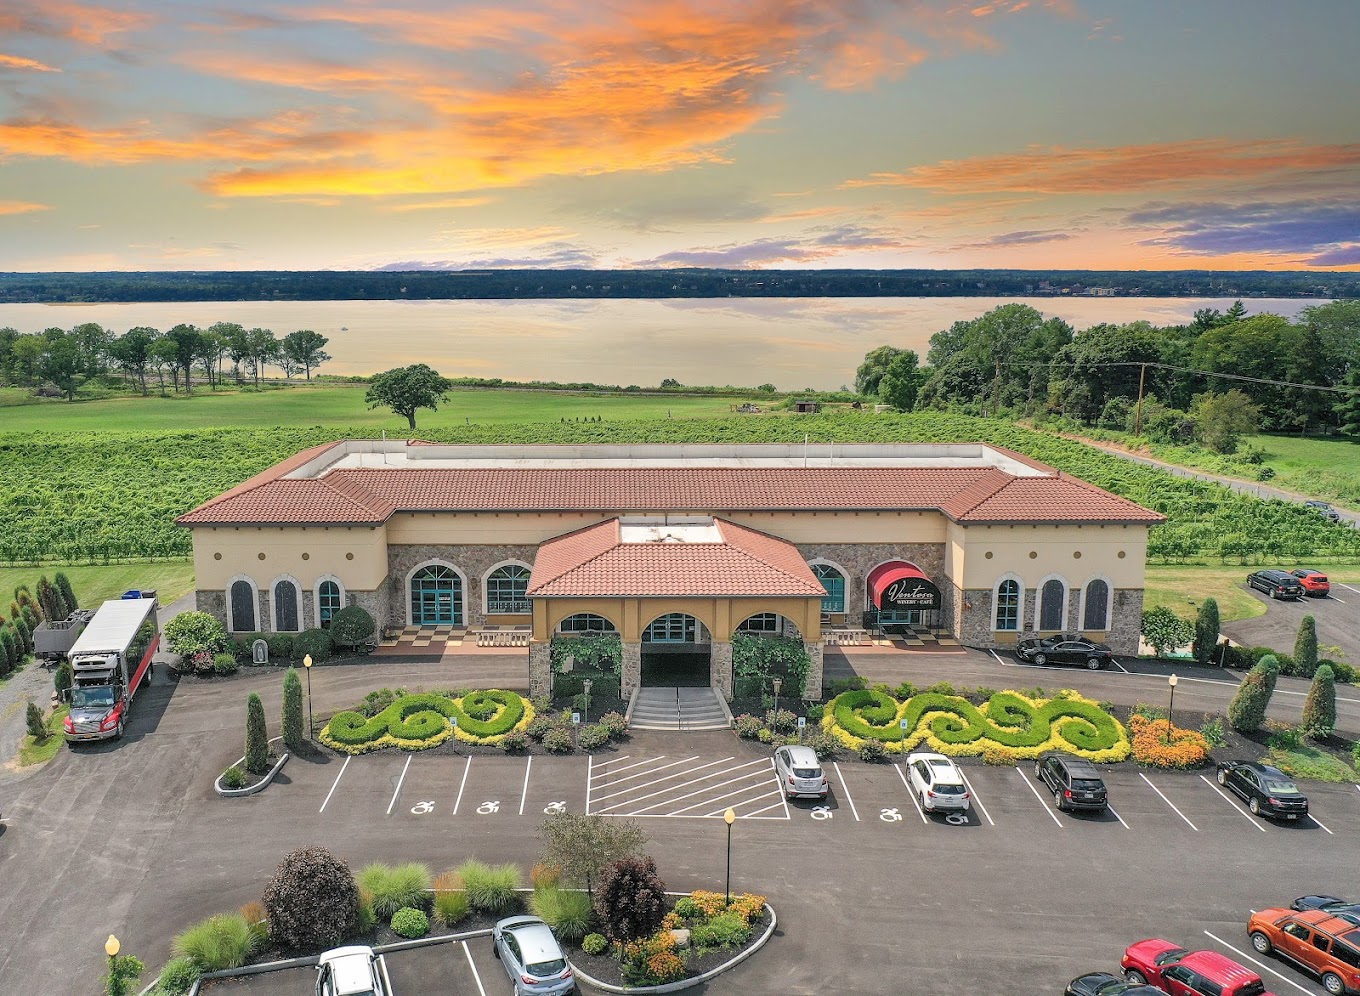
677, 709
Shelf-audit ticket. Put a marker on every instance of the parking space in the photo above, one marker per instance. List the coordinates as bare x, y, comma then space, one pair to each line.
686, 787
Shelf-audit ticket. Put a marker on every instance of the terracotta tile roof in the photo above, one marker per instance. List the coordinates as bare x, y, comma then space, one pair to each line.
965, 494
595, 562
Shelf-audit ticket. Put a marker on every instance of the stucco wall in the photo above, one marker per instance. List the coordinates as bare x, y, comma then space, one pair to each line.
985, 553
356, 554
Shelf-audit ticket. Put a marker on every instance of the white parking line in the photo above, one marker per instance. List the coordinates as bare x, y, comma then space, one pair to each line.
978, 800
726, 806
1117, 816
846, 789
643, 774
666, 778
524, 792
687, 795
919, 811
615, 760
719, 812
1167, 801
462, 785
1120, 666
590, 765
1349, 588
756, 814
1319, 823
1333, 598
342, 774
472, 965
1031, 787
1245, 815
1259, 964
400, 781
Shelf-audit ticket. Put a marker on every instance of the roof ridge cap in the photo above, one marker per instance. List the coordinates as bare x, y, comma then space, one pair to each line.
758, 559
618, 541
990, 475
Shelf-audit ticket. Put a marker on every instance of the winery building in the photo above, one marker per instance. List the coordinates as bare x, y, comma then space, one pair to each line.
675, 547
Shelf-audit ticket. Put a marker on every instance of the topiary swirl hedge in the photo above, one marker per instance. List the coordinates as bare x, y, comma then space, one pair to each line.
951, 724
421, 721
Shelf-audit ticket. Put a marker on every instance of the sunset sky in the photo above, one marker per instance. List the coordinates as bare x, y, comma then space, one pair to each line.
1132, 134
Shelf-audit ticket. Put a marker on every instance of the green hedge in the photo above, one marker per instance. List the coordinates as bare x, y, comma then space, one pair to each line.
603, 685
416, 719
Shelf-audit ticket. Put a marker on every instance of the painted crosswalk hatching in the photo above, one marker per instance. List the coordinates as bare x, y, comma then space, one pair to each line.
686, 787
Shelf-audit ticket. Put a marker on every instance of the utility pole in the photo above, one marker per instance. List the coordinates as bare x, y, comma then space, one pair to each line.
996, 391
1138, 409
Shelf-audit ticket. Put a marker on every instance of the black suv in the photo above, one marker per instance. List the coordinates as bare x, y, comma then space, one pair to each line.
1276, 584
1323, 508
1074, 781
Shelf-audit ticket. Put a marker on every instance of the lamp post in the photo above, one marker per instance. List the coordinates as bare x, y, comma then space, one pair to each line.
585, 687
729, 818
307, 667
1170, 705
778, 684
111, 948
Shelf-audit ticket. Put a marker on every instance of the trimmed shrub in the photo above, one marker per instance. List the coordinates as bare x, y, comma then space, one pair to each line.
630, 899
394, 887
594, 944
1319, 709
616, 724
515, 742
224, 664
36, 722
451, 903
593, 737
748, 727
490, 888
352, 626
410, 923
1206, 631
783, 721
280, 645
418, 722
566, 911
1000, 756
557, 741
1306, 647
234, 777
726, 930
190, 632
177, 977
292, 710
257, 736
823, 744
312, 903
872, 751
222, 941
1247, 711
314, 642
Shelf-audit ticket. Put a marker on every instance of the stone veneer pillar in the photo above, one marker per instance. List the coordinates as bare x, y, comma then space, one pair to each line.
720, 669
631, 675
540, 668
813, 688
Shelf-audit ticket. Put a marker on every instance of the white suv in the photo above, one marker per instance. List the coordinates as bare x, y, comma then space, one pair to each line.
799, 772
937, 782
352, 971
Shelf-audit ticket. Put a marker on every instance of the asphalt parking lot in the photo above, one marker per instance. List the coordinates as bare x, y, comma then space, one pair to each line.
1337, 615
1016, 897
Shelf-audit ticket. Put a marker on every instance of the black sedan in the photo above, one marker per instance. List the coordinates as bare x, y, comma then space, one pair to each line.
1268, 791
1328, 904
1067, 648
1105, 984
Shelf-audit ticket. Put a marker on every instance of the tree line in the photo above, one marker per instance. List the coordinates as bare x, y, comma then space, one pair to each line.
1212, 380
424, 285
68, 359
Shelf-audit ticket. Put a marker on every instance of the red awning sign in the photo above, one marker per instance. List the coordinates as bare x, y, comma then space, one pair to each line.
899, 585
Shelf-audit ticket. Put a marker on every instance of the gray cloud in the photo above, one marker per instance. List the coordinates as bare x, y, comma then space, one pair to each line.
1011, 239
552, 256
816, 244
1322, 232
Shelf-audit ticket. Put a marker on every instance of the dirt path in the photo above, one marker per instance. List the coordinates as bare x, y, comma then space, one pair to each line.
33, 682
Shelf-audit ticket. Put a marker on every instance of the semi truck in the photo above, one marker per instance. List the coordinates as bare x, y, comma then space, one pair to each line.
109, 661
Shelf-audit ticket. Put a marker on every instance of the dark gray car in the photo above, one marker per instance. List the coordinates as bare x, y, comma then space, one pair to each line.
1074, 782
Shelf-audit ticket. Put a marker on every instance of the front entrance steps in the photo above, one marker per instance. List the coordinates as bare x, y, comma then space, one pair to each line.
662, 708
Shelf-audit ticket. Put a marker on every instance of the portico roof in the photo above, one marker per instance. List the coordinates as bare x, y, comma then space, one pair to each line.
657, 558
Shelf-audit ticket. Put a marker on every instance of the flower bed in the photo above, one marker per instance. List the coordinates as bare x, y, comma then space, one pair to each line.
952, 725
1159, 744
422, 721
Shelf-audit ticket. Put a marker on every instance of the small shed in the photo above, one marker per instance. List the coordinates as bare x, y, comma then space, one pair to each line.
807, 407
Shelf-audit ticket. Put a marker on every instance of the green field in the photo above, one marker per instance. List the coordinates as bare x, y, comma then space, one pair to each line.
1328, 467
338, 405
1183, 588
93, 584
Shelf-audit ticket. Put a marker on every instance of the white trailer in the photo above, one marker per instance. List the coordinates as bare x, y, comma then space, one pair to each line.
109, 661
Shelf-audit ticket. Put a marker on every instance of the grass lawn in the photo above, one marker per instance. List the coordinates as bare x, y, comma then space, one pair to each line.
1178, 585
343, 405
1309, 762
169, 578
31, 752
1326, 466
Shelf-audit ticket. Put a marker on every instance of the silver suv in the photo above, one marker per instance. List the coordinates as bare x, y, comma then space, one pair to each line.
531, 957
799, 772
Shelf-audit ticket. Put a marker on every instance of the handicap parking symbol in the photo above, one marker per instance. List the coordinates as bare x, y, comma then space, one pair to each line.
554, 808
957, 819
889, 816
821, 812
486, 808
421, 808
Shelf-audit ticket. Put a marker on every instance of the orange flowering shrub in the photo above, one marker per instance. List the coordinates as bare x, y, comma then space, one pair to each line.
1156, 742
747, 906
671, 921
711, 903
665, 966
652, 960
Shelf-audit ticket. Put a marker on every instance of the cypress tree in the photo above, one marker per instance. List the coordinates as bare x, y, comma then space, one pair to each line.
63, 585
62, 680
292, 709
29, 604
1247, 711
1305, 646
25, 632
37, 726
48, 599
1319, 709
257, 736
1206, 631
9, 649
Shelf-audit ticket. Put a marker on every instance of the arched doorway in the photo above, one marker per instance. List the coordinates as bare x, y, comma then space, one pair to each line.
676, 652
756, 665
436, 596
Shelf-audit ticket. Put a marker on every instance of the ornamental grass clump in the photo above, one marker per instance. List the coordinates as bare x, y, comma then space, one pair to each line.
490, 888
567, 911
451, 903
1159, 744
222, 941
393, 887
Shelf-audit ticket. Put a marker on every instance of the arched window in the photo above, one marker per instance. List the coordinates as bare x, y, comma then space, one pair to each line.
329, 600
585, 622
286, 607
1052, 605
242, 606
834, 583
1008, 605
436, 596
505, 588
1096, 605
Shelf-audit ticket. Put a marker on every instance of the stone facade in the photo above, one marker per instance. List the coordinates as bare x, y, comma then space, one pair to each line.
813, 686
540, 669
1125, 623
472, 561
720, 669
630, 676
858, 559
212, 602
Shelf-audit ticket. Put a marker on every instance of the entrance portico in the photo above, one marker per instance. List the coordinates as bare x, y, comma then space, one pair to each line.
672, 586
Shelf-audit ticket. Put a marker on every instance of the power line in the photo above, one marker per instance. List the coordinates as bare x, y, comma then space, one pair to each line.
1187, 370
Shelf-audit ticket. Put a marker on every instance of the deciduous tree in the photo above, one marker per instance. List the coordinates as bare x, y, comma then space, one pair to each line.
901, 381
307, 349
871, 371
406, 390
582, 845
132, 352
1164, 630
1221, 420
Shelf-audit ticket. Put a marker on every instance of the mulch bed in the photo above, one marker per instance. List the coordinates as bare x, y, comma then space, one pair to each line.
607, 968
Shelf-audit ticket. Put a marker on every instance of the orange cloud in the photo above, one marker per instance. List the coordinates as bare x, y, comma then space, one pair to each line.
22, 207
85, 23
19, 62
1056, 170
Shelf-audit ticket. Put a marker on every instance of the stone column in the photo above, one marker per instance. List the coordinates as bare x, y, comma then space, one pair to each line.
631, 675
813, 688
540, 668
720, 669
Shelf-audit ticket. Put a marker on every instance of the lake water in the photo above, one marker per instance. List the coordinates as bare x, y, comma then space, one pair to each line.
789, 342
